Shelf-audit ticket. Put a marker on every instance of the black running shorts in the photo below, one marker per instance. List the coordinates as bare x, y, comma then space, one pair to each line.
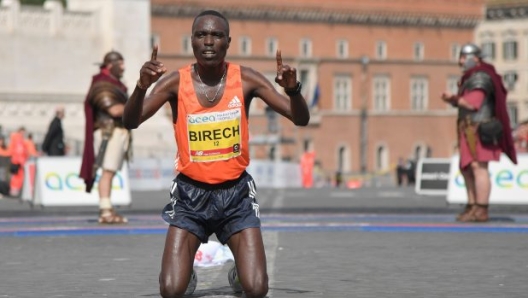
204, 209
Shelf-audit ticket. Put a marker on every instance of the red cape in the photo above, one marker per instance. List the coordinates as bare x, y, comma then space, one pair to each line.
88, 159
501, 111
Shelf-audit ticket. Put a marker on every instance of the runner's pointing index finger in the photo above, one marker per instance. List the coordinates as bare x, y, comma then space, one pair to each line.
154, 53
279, 62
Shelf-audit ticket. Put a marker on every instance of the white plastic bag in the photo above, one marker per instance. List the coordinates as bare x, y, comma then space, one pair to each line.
212, 253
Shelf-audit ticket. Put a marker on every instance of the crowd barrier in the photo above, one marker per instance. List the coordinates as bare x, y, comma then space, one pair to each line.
151, 174
270, 174
54, 181
509, 182
148, 174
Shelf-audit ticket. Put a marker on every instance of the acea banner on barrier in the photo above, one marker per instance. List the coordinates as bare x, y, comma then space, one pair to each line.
57, 183
509, 182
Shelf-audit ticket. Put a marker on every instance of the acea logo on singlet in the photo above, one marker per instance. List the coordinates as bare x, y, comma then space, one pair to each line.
195, 119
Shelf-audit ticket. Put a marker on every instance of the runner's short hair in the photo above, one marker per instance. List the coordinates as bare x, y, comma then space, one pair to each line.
212, 13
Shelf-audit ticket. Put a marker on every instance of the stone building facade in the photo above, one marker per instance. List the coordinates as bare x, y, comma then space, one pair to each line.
503, 35
372, 72
49, 54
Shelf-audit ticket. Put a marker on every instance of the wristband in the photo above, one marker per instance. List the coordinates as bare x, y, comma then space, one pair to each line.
295, 91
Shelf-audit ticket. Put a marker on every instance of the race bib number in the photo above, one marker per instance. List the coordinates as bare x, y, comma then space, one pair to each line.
214, 136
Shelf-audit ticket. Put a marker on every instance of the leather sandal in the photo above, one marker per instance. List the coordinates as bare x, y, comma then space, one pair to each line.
464, 214
109, 217
478, 213
481, 213
468, 216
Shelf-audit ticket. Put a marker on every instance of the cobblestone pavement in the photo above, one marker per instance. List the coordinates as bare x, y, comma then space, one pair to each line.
321, 243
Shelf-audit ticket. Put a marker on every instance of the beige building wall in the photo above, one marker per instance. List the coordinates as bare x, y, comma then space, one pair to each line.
49, 54
505, 29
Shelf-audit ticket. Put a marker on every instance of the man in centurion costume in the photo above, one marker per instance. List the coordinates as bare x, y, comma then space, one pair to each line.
483, 129
107, 142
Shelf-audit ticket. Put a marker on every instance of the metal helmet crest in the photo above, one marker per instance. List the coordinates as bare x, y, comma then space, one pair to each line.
471, 49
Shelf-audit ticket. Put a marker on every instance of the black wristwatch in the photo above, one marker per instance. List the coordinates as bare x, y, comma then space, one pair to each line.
295, 91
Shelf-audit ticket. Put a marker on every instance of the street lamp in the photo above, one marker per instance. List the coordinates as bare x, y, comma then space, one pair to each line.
363, 115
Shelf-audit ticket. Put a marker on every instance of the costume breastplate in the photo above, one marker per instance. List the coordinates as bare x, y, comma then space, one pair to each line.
103, 95
479, 80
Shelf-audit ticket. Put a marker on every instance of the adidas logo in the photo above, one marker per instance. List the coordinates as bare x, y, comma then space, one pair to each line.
234, 103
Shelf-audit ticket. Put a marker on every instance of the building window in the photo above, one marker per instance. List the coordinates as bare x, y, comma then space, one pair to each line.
381, 50
421, 151
306, 48
419, 93
308, 145
307, 75
452, 87
186, 45
342, 92
304, 78
509, 78
382, 158
452, 84
343, 159
418, 51
488, 49
454, 51
509, 50
342, 49
245, 46
271, 46
155, 40
513, 112
381, 86
272, 152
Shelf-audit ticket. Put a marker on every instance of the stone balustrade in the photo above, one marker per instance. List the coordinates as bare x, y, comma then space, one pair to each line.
50, 18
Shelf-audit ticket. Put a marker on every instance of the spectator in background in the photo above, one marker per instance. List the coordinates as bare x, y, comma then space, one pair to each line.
521, 137
53, 144
338, 179
4, 150
30, 146
410, 170
19, 156
400, 171
4, 168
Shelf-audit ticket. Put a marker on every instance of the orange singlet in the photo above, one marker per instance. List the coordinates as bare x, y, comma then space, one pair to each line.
212, 142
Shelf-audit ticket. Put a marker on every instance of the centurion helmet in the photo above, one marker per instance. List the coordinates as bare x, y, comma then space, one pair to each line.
471, 49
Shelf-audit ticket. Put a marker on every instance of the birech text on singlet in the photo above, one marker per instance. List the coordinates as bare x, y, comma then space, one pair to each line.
215, 135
